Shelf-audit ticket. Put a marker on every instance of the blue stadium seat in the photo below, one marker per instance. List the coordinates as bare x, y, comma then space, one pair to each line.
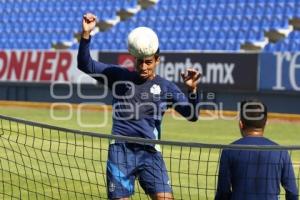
291, 43
184, 24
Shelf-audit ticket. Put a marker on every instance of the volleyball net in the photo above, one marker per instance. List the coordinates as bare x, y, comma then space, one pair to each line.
39, 161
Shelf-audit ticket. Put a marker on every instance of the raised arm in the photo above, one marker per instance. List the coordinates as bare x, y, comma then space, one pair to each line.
191, 78
85, 61
187, 106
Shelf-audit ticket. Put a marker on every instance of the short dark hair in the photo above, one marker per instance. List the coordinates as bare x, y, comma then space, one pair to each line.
156, 55
253, 114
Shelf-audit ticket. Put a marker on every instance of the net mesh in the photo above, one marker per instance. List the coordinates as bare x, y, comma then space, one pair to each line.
39, 161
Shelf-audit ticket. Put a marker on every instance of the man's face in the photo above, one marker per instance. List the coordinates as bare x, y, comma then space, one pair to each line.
146, 66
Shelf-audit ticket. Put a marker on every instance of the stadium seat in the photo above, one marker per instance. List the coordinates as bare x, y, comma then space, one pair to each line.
184, 24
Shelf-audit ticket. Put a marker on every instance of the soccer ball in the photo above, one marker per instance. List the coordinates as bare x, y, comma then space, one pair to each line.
142, 42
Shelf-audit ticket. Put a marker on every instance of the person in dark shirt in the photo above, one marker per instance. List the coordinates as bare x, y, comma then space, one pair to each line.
255, 174
139, 102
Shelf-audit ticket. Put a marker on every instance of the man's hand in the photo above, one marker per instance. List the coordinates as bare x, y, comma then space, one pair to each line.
88, 24
191, 78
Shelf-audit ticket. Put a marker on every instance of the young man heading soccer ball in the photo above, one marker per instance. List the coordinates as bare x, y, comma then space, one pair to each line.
138, 108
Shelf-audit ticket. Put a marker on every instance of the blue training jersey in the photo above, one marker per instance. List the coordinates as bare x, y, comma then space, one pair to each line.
138, 105
248, 175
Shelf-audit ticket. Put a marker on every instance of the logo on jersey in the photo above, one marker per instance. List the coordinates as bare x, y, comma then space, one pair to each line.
112, 187
155, 89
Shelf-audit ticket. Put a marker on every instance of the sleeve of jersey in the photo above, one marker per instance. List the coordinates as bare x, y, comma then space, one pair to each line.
94, 68
186, 106
224, 178
288, 179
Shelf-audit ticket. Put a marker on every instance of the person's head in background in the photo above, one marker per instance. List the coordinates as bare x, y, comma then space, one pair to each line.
253, 118
143, 44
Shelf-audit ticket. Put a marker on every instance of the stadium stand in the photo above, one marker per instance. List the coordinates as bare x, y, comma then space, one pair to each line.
230, 25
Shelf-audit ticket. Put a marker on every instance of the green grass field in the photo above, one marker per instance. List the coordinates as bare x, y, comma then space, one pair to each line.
47, 168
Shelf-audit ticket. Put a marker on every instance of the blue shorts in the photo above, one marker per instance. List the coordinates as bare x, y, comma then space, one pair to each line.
127, 162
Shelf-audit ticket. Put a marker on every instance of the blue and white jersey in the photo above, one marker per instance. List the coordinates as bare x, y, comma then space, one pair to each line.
138, 105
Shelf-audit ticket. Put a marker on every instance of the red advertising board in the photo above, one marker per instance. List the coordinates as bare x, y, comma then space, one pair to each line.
39, 66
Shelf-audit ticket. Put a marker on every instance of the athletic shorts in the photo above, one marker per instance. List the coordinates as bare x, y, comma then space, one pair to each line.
127, 162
